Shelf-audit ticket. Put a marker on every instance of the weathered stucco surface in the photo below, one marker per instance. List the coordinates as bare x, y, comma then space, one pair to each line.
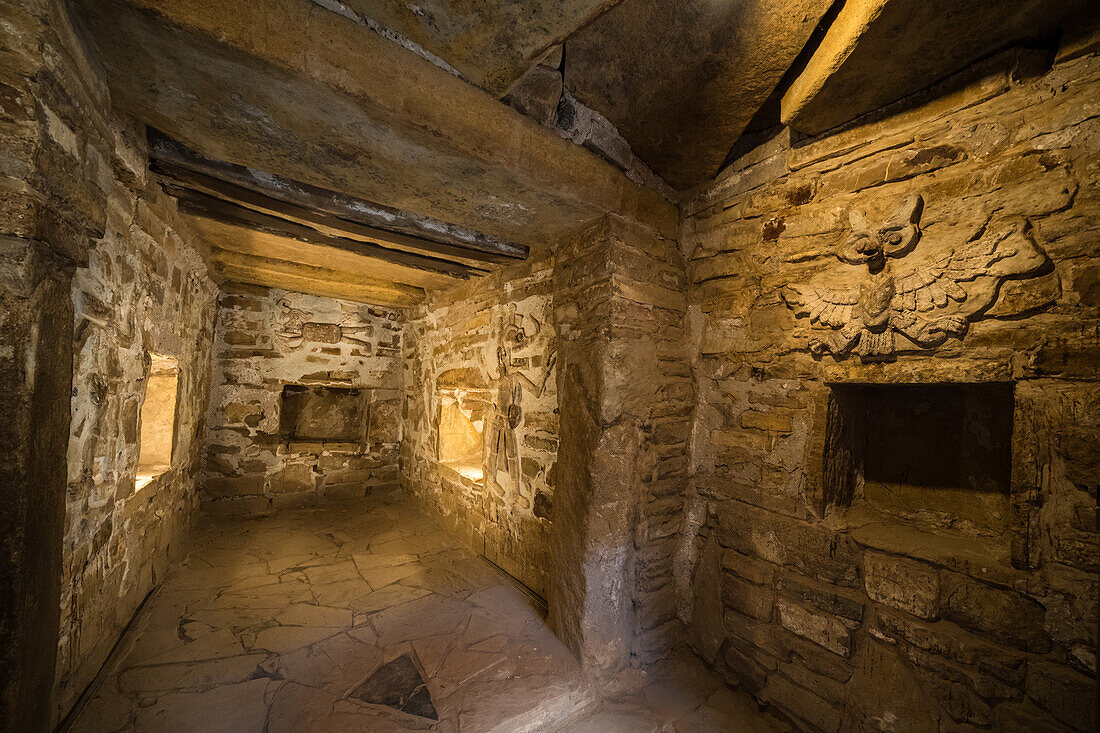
452, 347
829, 607
267, 339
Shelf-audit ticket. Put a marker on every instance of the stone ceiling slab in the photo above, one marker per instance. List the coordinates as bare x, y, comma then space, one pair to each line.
492, 42
682, 78
879, 51
287, 87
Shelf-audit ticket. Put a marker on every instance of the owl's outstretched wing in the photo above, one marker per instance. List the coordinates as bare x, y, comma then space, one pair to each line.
939, 283
829, 306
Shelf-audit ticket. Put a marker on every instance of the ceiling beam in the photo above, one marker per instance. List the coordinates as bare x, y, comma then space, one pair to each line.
288, 87
202, 205
262, 244
334, 210
177, 179
877, 52
275, 273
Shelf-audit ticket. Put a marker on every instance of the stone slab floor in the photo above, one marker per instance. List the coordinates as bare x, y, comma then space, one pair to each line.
280, 623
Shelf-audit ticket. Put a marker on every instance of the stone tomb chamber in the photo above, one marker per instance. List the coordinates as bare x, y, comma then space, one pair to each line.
597, 365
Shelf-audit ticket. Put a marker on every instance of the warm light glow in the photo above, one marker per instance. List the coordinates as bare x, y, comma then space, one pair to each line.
461, 445
474, 473
158, 419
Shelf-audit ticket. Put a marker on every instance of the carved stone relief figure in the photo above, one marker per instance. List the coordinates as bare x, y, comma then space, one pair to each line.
503, 459
296, 328
925, 299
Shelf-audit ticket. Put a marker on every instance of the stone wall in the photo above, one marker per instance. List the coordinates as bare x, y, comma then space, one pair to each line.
451, 350
86, 227
826, 604
625, 398
267, 339
120, 537
592, 523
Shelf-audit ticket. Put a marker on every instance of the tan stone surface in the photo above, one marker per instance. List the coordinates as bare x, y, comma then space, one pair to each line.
268, 338
228, 643
451, 356
919, 608
492, 47
141, 286
681, 80
312, 97
872, 53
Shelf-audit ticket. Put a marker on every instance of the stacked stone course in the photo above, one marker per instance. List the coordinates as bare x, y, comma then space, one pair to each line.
451, 341
92, 244
249, 467
823, 611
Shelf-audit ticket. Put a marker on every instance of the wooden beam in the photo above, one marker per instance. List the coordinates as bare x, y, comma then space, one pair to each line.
381, 223
262, 244
202, 205
274, 273
323, 222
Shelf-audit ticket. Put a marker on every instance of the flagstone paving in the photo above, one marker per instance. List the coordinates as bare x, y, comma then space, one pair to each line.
295, 622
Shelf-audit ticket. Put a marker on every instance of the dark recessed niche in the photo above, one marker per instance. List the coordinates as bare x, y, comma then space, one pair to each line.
936, 455
309, 413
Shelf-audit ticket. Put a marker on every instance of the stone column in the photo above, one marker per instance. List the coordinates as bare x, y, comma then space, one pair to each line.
619, 308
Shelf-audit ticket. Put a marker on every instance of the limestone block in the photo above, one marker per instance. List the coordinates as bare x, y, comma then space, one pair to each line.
904, 584
814, 550
1003, 614
293, 478
1066, 694
752, 570
801, 703
951, 642
752, 600
825, 630
537, 93
823, 597
227, 486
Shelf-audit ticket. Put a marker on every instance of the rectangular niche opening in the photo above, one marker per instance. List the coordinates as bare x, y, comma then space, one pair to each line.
322, 414
461, 423
158, 419
933, 457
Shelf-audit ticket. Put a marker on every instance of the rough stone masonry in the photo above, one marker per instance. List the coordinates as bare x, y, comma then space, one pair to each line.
829, 421
829, 601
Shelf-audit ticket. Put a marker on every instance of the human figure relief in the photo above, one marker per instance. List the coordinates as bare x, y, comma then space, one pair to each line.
507, 414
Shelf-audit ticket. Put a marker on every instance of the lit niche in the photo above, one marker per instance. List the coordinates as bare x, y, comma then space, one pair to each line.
158, 419
463, 401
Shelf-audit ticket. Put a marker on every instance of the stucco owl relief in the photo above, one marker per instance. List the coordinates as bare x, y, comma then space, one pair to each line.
895, 291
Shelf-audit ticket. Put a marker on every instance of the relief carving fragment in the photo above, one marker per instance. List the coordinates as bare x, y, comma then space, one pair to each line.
503, 444
296, 328
909, 293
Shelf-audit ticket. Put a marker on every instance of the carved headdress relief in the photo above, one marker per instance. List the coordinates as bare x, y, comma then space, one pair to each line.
922, 299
